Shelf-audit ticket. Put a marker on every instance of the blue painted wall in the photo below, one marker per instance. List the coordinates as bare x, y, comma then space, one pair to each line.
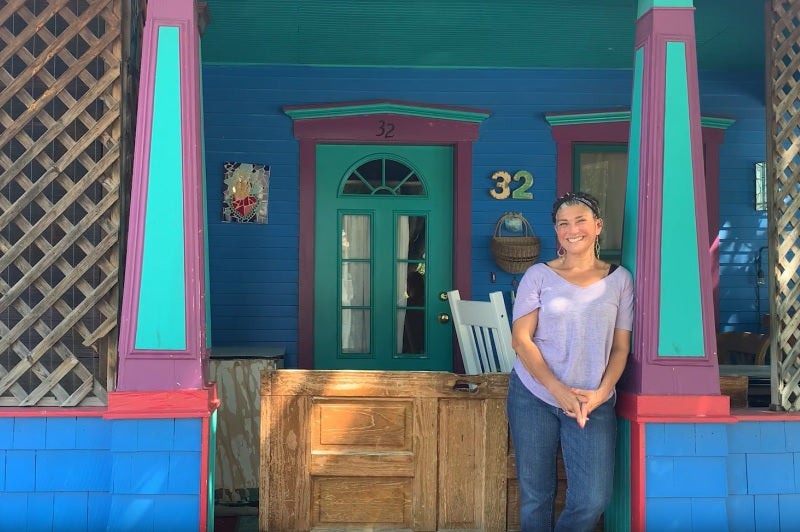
253, 268
743, 230
87, 473
738, 477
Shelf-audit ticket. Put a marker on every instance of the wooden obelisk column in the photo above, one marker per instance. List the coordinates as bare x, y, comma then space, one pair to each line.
163, 317
665, 242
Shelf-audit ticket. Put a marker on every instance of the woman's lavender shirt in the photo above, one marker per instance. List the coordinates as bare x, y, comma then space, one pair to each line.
576, 324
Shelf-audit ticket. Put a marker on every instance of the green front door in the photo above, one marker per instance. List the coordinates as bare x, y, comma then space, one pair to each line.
383, 257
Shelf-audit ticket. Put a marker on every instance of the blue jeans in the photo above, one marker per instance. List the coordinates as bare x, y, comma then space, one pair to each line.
537, 428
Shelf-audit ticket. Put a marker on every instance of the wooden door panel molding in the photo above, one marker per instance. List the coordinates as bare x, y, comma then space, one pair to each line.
356, 123
443, 464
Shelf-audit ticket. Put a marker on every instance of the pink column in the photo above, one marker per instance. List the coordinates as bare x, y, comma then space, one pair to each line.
146, 360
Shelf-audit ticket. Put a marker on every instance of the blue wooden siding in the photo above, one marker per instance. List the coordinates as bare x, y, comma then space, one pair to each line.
739, 476
743, 230
685, 477
86, 473
253, 268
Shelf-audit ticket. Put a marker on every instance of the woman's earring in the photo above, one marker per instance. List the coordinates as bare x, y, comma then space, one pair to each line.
561, 252
597, 247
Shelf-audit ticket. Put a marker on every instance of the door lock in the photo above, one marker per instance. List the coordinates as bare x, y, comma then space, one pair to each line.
444, 317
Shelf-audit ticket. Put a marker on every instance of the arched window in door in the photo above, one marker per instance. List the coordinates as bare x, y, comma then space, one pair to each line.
383, 176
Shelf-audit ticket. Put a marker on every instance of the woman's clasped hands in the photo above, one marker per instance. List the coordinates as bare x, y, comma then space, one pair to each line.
577, 403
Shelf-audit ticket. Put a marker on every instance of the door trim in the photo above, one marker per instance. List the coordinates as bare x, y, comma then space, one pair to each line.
366, 123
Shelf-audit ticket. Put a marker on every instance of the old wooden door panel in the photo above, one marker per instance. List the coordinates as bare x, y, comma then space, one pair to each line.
379, 502
363, 461
472, 465
284, 463
383, 450
388, 450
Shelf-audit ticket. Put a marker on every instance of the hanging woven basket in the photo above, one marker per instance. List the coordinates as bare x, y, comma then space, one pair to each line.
515, 254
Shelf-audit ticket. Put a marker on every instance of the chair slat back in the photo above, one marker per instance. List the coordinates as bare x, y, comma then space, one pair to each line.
483, 332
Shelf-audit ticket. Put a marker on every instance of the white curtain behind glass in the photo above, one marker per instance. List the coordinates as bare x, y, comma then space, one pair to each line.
402, 277
355, 283
603, 175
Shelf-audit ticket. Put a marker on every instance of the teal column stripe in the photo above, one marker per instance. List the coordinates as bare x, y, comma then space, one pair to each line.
617, 516
681, 318
212, 460
161, 321
647, 5
631, 214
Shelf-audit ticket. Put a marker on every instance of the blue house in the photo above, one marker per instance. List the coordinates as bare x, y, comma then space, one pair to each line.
311, 176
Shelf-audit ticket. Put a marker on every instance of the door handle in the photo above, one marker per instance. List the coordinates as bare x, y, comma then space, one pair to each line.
444, 317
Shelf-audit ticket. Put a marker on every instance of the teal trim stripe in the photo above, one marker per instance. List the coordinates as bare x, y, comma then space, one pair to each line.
617, 516
161, 322
573, 119
588, 118
647, 5
212, 461
717, 123
380, 108
631, 214
681, 318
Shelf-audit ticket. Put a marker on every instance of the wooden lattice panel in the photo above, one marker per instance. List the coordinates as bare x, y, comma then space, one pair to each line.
783, 27
60, 143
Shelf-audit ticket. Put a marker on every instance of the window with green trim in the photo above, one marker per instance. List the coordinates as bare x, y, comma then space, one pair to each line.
601, 170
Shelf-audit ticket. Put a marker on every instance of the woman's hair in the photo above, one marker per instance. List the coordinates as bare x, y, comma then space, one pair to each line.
577, 198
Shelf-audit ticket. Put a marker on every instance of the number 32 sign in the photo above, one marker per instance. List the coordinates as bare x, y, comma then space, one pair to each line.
502, 189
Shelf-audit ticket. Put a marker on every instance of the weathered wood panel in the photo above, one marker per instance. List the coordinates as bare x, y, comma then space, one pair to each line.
384, 450
374, 450
238, 419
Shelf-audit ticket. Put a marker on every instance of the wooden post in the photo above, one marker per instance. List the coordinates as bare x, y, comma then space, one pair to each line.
665, 242
162, 342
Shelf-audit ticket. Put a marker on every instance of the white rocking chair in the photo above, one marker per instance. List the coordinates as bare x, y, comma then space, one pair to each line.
484, 333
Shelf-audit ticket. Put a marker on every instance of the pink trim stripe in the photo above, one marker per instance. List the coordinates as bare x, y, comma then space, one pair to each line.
141, 162
674, 408
638, 475
165, 404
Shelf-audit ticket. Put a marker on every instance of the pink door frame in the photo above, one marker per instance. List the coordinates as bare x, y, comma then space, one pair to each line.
365, 123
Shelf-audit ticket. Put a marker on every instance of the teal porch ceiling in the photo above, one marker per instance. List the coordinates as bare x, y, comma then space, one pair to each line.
466, 33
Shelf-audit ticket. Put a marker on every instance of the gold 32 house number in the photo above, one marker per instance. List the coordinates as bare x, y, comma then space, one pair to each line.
502, 187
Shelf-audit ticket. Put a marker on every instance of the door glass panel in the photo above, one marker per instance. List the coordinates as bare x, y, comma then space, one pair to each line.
402, 179
410, 284
355, 331
355, 284
414, 283
602, 172
411, 238
356, 279
413, 331
355, 237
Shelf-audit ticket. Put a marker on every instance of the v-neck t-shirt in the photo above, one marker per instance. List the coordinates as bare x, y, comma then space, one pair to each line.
575, 328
